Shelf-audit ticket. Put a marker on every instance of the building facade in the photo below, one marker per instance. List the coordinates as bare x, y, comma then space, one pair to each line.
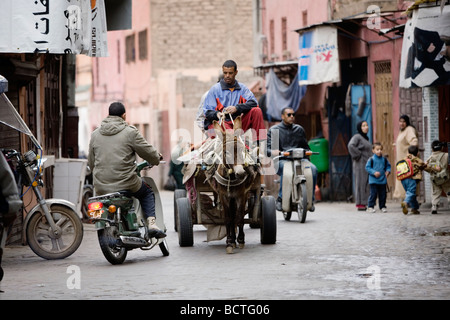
370, 38
161, 67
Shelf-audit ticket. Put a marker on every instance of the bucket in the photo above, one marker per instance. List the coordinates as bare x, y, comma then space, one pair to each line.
319, 160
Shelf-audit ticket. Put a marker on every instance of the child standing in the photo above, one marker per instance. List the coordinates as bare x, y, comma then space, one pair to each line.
410, 184
440, 177
378, 168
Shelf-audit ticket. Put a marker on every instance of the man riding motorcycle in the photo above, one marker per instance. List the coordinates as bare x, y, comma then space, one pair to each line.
112, 159
290, 135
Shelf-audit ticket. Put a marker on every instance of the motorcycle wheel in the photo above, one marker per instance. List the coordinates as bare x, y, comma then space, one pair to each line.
108, 240
302, 206
164, 248
88, 192
41, 239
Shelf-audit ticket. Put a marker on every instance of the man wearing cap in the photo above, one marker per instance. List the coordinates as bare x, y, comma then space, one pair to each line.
112, 156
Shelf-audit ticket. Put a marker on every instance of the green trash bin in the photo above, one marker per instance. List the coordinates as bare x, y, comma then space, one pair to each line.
319, 160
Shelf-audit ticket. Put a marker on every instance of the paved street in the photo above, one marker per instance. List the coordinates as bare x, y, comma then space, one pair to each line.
338, 253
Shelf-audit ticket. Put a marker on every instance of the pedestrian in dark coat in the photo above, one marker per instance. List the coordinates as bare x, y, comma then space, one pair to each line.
360, 150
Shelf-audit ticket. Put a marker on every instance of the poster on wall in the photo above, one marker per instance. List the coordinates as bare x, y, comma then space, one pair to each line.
99, 38
53, 26
318, 56
426, 49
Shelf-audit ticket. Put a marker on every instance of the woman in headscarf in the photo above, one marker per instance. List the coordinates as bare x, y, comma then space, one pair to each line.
360, 150
406, 137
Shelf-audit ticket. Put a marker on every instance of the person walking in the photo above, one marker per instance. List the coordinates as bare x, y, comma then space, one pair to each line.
406, 137
440, 177
378, 168
360, 150
410, 184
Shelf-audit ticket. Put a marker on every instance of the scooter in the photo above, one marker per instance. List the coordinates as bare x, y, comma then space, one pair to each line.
53, 228
297, 183
120, 224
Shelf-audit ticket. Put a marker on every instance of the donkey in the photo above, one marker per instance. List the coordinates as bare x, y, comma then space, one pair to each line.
234, 177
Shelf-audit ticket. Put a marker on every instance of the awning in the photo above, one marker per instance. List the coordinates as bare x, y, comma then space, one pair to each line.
285, 70
9, 115
318, 56
399, 30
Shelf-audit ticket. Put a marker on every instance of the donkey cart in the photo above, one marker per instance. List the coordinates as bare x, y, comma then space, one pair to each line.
224, 192
204, 210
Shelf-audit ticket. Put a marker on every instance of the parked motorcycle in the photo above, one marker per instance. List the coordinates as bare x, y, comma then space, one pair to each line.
120, 223
297, 183
52, 227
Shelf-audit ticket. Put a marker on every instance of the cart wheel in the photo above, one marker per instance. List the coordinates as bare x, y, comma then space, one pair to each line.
302, 206
184, 223
269, 220
179, 193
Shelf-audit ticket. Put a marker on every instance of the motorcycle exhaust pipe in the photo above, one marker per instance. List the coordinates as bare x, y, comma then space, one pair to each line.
133, 242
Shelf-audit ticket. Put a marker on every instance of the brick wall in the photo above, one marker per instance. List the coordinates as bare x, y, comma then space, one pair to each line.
201, 33
190, 40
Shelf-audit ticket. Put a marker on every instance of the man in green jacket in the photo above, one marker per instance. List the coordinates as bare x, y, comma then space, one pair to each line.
112, 159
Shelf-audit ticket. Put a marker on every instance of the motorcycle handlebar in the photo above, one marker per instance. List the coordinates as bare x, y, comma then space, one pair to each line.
288, 154
145, 164
9, 152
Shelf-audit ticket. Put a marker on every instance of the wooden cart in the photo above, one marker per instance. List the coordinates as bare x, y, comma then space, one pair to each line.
199, 205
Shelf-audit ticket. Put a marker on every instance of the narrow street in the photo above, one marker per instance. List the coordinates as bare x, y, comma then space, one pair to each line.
338, 253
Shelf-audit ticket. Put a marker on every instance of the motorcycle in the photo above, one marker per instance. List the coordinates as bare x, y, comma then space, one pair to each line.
120, 224
52, 227
297, 183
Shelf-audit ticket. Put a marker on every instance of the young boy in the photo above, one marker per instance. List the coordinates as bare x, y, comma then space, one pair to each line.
410, 184
438, 160
378, 168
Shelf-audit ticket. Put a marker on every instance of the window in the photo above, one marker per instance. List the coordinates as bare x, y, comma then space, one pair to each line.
118, 56
130, 48
272, 37
305, 18
142, 38
284, 33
